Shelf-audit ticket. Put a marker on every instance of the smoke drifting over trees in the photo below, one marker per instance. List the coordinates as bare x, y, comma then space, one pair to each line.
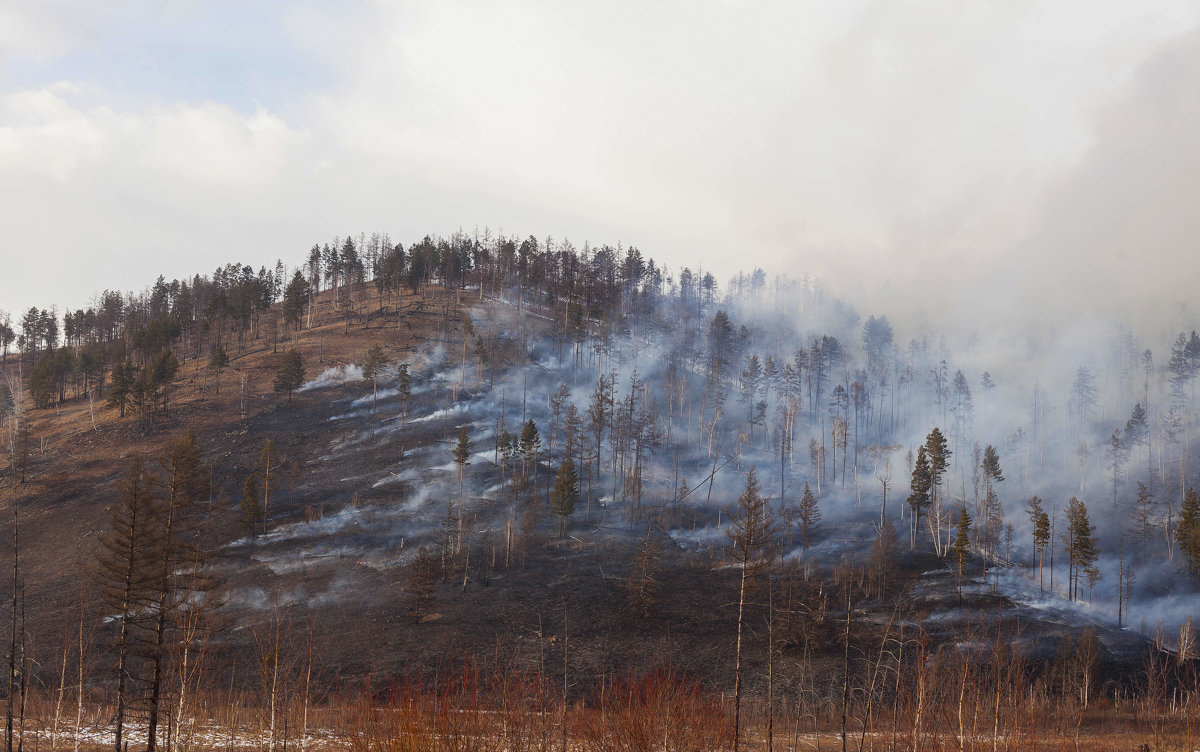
568, 396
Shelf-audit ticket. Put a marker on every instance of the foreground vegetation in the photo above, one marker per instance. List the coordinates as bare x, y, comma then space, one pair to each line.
985, 706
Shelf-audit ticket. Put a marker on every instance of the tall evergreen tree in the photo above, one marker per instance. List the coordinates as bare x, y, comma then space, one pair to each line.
252, 512
1142, 517
920, 489
1188, 531
404, 388
217, 362
962, 545
375, 362
290, 375
295, 299
565, 495
809, 514
462, 458
1083, 548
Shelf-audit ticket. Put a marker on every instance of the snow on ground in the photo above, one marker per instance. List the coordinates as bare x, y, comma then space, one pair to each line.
190, 736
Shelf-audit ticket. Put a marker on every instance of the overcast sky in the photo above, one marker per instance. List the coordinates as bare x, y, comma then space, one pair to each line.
1012, 159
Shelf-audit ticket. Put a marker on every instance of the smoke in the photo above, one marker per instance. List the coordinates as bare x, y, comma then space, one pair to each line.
401, 465
334, 376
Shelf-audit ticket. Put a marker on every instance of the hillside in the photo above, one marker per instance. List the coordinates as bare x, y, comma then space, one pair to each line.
381, 559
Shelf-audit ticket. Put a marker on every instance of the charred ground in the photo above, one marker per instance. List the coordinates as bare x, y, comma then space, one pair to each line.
361, 488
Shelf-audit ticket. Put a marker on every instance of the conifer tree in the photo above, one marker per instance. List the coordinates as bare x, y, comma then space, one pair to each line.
123, 377
252, 512
1041, 537
462, 458
1137, 430
938, 451
1083, 548
919, 493
404, 387
295, 298
160, 373
961, 545
290, 375
809, 514
1040, 524
565, 495
530, 444
375, 361
1142, 515
217, 362
1188, 531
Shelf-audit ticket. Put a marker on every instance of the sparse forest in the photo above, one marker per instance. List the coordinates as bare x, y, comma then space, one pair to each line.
493, 492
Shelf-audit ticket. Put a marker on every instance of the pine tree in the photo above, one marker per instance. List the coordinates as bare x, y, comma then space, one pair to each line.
462, 458
809, 514
1188, 531
375, 362
1142, 516
123, 377
290, 375
939, 453
993, 511
160, 372
530, 445
919, 493
1117, 452
565, 495
1083, 548
404, 387
252, 512
962, 545
1137, 430
295, 298
217, 362
1040, 523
